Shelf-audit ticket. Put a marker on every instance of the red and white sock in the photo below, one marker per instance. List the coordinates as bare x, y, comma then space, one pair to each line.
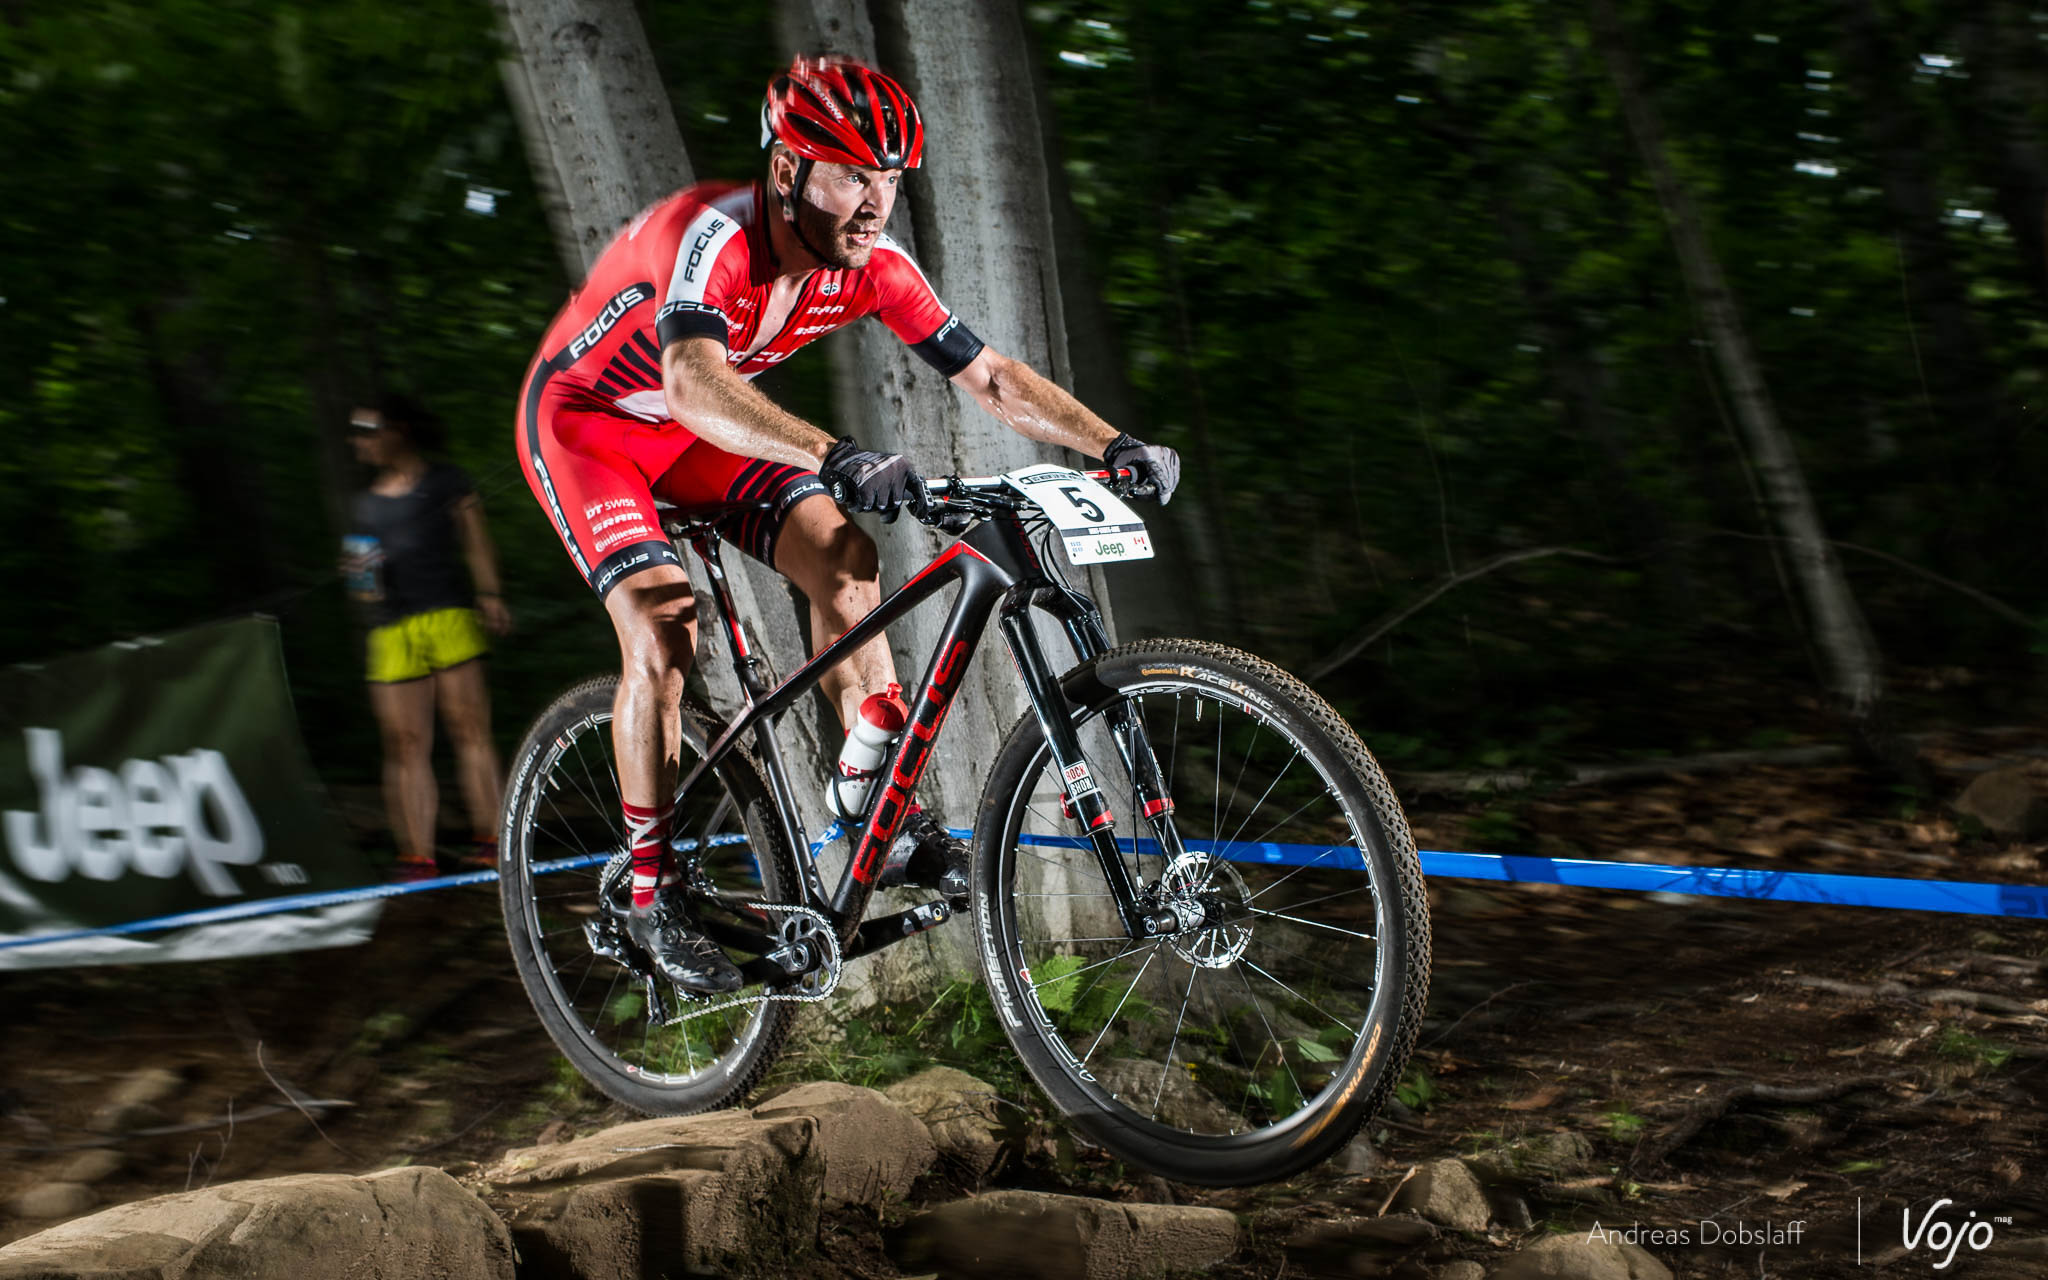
647, 838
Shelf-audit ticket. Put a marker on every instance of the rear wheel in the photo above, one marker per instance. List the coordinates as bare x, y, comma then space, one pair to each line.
1256, 1040
562, 831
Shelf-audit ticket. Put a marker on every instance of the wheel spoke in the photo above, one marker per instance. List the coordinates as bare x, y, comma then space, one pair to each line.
1234, 1057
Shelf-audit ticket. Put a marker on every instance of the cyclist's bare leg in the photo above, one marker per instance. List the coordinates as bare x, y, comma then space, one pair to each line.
655, 617
405, 721
834, 564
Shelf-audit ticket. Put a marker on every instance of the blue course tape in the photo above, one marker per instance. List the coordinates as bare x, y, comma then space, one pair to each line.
1960, 897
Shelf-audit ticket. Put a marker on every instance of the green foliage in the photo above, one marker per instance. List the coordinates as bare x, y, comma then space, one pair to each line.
1389, 275
1958, 1043
957, 1027
1417, 1090
1624, 1125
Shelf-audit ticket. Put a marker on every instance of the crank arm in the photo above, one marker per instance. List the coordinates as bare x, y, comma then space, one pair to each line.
884, 931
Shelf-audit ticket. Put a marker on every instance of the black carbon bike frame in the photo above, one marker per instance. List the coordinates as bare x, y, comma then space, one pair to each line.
999, 570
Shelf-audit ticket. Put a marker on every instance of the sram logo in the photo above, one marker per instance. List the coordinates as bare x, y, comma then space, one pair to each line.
158, 817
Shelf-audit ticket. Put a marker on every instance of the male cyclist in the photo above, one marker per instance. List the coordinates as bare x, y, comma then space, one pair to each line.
641, 390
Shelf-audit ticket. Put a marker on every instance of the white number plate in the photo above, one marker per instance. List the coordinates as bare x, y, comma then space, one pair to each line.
1094, 523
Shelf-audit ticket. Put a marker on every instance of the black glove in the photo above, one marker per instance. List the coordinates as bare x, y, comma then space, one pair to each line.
1153, 464
860, 480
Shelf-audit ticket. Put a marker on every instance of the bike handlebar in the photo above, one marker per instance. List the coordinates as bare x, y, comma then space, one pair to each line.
957, 499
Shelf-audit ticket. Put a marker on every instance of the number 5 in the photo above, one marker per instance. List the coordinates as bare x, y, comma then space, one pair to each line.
1081, 504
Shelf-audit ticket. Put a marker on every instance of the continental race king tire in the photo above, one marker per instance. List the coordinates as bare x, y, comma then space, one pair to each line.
1255, 1044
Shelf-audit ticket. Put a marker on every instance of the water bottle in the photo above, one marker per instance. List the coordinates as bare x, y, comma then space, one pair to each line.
881, 718
365, 573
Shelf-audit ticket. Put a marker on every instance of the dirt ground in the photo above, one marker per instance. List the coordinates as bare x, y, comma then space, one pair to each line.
1750, 1063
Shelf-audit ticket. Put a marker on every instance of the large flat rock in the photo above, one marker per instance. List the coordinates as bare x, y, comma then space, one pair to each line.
1031, 1235
735, 1193
396, 1225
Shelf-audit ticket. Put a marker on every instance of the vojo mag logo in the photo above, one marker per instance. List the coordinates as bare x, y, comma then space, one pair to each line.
157, 817
1942, 1233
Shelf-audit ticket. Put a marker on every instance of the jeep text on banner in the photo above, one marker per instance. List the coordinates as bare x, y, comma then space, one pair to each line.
160, 776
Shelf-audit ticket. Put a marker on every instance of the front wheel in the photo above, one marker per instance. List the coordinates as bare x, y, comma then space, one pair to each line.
1254, 1043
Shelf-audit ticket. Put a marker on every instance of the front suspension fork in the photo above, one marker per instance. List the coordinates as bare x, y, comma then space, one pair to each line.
1137, 907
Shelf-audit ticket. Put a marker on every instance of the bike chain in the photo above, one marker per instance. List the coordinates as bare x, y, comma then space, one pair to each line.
692, 1007
823, 990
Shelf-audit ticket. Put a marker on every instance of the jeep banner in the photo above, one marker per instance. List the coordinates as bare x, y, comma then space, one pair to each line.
158, 777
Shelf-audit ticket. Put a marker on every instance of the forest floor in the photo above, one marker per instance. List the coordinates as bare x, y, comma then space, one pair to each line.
1912, 1048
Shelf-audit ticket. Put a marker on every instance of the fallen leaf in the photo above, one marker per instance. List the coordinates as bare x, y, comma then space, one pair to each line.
1538, 1100
1784, 1189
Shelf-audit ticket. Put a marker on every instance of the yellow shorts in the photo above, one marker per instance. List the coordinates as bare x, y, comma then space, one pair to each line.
416, 647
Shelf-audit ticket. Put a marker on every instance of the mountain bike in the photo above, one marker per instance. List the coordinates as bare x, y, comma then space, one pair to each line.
1197, 905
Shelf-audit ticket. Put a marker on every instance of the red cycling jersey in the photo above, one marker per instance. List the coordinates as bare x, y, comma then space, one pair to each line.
594, 433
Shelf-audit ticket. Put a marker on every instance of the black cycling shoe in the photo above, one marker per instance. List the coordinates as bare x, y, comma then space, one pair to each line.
927, 856
678, 951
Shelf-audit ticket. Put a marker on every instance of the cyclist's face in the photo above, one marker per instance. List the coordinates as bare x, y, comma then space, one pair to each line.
844, 208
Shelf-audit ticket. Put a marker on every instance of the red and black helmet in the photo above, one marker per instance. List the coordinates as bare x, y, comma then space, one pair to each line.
843, 112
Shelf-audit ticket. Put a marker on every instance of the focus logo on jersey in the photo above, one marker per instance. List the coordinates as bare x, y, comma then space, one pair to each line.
625, 300
697, 247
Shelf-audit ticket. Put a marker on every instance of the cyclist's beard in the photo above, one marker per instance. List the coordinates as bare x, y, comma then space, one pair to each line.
825, 237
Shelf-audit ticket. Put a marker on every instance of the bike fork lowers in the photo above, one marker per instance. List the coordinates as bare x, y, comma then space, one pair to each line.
1078, 787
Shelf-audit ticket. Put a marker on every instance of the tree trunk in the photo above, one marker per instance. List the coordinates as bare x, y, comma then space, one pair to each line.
612, 146
979, 221
602, 138
1850, 658
2007, 73
1958, 373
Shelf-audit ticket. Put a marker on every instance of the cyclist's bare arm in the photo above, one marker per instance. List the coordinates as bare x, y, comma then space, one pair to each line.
705, 395
1033, 405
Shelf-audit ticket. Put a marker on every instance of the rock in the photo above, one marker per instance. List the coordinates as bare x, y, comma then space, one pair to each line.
554, 1131
132, 1104
126, 1117
1029, 1235
1548, 1157
2007, 802
1510, 1210
1183, 1103
1461, 1270
1359, 1157
402, 1222
1445, 1192
53, 1200
148, 1086
873, 1148
1579, 1257
727, 1193
93, 1165
960, 1112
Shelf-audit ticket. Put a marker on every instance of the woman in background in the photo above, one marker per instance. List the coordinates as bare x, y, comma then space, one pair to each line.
420, 560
